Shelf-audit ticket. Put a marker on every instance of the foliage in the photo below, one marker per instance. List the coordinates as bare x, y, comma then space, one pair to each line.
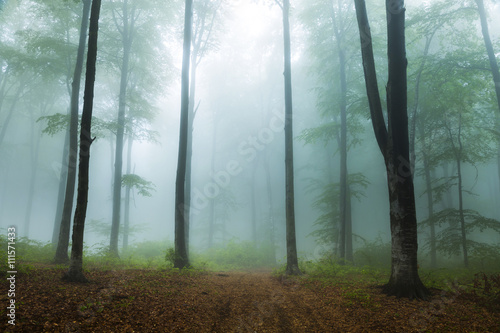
142, 186
327, 202
375, 253
27, 251
449, 241
102, 228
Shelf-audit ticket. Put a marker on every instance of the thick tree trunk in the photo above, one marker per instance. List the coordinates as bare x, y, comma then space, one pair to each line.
61, 255
181, 257
127, 32
292, 266
394, 145
75, 272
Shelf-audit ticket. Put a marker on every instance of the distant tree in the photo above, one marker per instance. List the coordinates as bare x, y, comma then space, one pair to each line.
126, 27
338, 99
75, 272
143, 187
394, 145
181, 257
489, 49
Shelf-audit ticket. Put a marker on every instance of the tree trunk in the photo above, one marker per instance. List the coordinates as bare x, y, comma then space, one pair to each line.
339, 35
63, 176
189, 153
253, 207
270, 208
127, 33
7, 119
394, 145
211, 222
489, 49
460, 195
75, 272
349, 255
181, 257
292, 266
430, 199
126, 218
34, 153
61, 255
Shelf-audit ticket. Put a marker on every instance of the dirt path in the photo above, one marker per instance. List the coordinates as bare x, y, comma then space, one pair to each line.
154, 301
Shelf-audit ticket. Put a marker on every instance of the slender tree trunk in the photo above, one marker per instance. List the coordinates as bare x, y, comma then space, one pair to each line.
181, 257
489, 49
413, 125
127, 33
75, 272
343, 158
63, 176
270, 208
253, 207
338, 31
126, 218
6, 121
394, 145
61, 255
430, 199
349, 255
292, 266
211, 222
460, 195
34, 153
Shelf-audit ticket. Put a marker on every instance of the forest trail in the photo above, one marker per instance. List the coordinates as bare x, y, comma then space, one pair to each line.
159, 301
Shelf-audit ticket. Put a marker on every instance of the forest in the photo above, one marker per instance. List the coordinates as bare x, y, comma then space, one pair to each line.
201, 166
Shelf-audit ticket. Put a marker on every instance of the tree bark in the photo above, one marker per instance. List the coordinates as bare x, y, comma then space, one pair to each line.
394, 145
181, 257
127, 37
292, 266
75, 272
61, 255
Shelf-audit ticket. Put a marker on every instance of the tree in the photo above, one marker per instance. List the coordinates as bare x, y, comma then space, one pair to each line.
126, 29
394, 145
75, 272
204, 13
489, 49
292, 266
61, 255
181, 257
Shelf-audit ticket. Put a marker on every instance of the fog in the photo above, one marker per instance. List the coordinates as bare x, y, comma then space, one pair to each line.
238, 139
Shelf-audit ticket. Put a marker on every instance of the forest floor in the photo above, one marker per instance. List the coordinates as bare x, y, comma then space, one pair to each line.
163, 301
